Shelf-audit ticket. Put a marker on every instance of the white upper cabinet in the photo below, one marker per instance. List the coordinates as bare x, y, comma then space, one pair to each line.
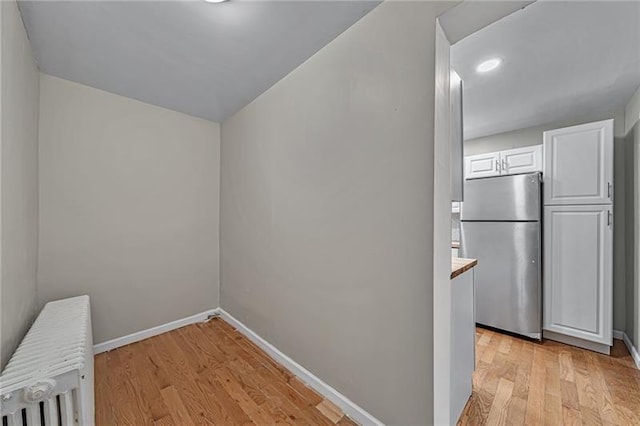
482, 165
521, 160
578, 279
509, 162
579, 164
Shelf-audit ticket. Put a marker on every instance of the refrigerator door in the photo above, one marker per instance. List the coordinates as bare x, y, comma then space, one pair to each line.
503, 198
508, 277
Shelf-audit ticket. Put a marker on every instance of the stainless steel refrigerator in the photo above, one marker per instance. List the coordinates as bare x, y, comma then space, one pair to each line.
500, 225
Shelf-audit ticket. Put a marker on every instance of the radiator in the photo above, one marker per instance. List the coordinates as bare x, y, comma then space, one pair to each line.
49, 379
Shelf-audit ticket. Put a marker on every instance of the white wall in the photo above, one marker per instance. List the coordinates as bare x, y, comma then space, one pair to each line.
19, 88
128, 208
327, 212
533, 136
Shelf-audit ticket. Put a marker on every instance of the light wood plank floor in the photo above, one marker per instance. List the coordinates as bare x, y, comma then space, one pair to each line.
203, 374
520, 382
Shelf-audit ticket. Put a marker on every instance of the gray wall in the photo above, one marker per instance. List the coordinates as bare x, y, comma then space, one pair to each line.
19, 150
128, 208
632, 141
533, 136
632, 194
326, 231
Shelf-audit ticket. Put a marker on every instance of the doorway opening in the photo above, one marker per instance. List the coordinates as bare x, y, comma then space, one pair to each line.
544, 144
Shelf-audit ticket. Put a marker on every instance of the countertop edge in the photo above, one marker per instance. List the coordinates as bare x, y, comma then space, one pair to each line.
460, 265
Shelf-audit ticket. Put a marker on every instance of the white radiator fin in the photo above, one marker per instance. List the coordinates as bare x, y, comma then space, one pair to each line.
49, 379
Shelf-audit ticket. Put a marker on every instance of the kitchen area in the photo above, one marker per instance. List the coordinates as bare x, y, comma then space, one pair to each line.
511, 205
537, 263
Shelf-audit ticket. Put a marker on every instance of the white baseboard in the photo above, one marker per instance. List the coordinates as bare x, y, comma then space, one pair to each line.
350, 408
154, 331
632, 349
618, 334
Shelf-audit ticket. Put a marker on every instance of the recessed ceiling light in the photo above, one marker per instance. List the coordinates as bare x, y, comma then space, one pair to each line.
489, 65
215, 1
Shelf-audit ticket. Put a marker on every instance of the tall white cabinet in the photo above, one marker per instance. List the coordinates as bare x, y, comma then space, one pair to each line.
578, 235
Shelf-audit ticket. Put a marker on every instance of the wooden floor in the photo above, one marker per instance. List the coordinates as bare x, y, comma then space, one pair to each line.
203, 374
520, 382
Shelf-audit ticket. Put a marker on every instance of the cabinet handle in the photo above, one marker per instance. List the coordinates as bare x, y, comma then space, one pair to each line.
498, 166
609, 191
609, 218
505, 165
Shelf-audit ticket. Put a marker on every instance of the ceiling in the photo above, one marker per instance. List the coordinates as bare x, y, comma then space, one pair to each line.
561, 60
470, 16
206, 60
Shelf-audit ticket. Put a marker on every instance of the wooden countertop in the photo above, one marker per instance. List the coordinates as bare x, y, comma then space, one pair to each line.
455, 244
460, 265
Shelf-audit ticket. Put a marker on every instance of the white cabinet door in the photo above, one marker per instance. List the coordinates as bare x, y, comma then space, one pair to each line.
521, 160
482, 165
579, 164
578, 278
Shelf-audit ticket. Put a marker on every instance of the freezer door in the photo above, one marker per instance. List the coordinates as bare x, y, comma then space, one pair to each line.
504, 198
508, 277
